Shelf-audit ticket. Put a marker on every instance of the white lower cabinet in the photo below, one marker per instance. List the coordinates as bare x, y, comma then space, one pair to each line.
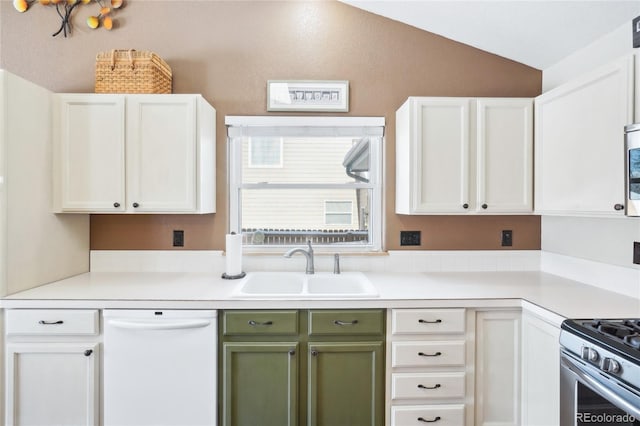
429, 367
540, 372
419, 415
52, 367
497, 365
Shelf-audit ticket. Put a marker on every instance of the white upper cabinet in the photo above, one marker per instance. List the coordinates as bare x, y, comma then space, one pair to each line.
579, 136
464, 156
134, 153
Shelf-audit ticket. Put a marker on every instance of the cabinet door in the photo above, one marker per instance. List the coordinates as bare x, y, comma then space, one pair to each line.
161, 153
579, 138
89, 153
345, 384
497, 396
504, 163
260, 384
52, 384
440, 159
540, 372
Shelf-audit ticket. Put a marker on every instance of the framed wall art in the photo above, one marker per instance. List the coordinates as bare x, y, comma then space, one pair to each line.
308, 95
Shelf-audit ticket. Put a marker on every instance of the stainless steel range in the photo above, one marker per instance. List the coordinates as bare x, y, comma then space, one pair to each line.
600, 372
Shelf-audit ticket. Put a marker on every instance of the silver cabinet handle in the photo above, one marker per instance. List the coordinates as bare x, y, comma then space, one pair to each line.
314, 352
422, 321
618, 207
338, 322
436, 386
435, 354
292, 352
43, 322
253, 323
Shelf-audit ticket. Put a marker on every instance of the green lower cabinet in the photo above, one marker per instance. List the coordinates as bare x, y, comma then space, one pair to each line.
301, 367
260, 384
345, 385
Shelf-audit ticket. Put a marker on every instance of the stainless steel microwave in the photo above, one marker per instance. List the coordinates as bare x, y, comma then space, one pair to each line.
632, 169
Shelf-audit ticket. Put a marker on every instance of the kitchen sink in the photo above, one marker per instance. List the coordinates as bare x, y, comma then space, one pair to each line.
272, 283
299, 286
344, 285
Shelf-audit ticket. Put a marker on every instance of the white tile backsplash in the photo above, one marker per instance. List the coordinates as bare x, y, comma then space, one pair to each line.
393, 261
604, 275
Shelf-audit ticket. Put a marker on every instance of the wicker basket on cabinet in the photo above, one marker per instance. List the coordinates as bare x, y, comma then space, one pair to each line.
131, 71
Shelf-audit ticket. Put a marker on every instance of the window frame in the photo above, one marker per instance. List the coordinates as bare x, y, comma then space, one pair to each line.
372, 127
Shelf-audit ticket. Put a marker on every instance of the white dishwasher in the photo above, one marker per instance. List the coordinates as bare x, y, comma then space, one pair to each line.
159, 367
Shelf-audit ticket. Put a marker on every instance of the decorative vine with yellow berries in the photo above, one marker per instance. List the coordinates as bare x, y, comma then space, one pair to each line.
64, 8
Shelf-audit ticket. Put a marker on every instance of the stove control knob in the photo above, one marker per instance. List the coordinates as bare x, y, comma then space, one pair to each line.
584, 353
593, 355
610, 366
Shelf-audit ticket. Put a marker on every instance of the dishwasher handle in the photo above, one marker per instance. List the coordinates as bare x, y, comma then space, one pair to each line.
165, 325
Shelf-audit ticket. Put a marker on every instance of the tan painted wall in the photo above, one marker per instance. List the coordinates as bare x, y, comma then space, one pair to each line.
228, 50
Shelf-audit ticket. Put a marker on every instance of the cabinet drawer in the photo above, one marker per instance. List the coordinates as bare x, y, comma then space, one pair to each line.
260, 322
427, 385
346, 322
419, 415
427, 321
51, 322
426, 354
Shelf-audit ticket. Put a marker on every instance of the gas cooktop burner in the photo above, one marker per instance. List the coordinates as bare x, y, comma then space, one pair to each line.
624, 331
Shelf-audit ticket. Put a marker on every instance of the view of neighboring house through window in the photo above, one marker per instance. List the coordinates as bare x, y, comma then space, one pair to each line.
338, 213
265, 152
294, 179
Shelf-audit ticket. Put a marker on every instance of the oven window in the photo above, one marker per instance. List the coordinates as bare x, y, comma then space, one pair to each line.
594, 410
634, 174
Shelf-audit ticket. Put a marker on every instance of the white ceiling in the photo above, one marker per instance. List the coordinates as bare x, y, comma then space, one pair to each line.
538, 33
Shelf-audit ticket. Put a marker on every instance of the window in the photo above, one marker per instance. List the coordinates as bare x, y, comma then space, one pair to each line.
265, 152
328, 190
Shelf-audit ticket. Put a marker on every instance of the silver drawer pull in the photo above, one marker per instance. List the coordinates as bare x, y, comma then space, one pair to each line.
253, 323
435, 419
338, 322
435, 354
43, 322
436, 386
421, 321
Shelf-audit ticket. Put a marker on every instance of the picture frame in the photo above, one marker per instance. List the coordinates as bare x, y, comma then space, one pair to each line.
308, 95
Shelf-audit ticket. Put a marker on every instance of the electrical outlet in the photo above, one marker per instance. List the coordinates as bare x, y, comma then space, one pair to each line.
409, 238
507, 238
178, 238
636, 253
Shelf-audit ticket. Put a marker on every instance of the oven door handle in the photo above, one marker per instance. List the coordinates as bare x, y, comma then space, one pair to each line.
600, 388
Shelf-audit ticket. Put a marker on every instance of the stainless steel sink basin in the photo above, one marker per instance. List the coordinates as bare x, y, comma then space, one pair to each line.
288, 285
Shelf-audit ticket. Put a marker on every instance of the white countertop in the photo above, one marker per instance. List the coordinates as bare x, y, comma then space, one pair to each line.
177, 290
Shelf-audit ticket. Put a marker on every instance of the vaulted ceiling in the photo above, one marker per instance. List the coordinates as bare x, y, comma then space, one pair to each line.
537, 33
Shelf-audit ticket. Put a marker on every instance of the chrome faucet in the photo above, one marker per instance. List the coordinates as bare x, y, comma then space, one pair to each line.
308, 253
